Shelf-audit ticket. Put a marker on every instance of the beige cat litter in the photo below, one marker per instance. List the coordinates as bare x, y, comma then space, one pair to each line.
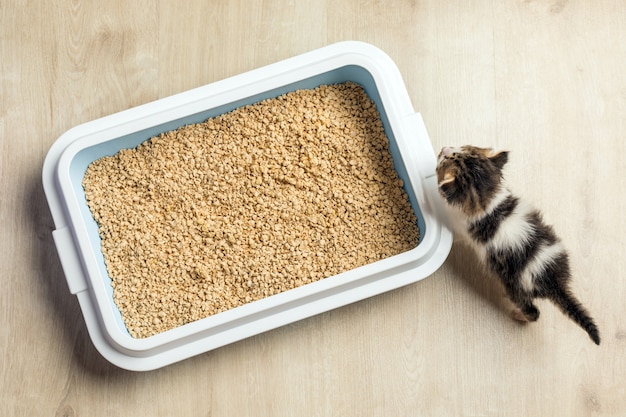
246, 205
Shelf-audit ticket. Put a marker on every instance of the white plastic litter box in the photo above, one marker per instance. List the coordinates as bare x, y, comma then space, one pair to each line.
78, 242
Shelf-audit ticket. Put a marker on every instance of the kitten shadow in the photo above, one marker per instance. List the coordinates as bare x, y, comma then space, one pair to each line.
466, 265
58, 300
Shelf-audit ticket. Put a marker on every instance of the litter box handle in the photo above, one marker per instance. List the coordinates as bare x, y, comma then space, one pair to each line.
423, 158
66, 248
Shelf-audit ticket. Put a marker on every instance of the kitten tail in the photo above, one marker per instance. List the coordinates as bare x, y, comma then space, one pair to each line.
574, 310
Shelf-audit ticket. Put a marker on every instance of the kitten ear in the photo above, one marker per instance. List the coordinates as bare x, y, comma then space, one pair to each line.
499, 158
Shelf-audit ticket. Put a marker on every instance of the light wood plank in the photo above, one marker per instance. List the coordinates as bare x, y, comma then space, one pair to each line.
543, 78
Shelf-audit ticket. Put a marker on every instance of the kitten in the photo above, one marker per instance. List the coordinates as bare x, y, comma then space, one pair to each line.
509, 235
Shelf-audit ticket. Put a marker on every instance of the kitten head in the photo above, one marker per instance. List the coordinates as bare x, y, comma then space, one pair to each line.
469, 177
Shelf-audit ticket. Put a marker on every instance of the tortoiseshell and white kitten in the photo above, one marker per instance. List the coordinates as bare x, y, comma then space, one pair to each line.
510, 236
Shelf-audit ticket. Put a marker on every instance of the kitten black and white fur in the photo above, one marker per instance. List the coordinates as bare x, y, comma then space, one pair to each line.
509, 235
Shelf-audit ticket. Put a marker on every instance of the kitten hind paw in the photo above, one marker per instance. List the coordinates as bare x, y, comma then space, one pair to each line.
531, 313
518, 315
527, 315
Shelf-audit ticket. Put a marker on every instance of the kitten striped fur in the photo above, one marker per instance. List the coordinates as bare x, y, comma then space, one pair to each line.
509, 234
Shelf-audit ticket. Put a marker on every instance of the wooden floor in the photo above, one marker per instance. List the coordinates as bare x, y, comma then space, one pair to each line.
545, 79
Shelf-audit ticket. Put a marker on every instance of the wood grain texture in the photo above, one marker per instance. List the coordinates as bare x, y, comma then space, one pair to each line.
543, 78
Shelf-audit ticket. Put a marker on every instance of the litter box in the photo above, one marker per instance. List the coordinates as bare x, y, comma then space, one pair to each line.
78, 242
